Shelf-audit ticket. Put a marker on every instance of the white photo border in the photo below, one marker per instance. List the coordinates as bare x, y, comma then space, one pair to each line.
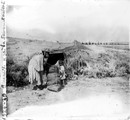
3, 69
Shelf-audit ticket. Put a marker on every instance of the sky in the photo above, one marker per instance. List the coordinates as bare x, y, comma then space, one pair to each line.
69, 20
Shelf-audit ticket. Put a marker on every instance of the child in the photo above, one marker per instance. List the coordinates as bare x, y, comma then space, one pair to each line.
62, 73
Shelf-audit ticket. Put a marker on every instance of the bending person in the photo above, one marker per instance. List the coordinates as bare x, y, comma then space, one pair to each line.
35, 69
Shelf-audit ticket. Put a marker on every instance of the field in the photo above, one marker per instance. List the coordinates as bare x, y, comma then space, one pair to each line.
95, 73
121, 47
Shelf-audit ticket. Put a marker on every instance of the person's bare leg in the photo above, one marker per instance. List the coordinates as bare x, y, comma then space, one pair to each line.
46, 79
38, 80
41, 77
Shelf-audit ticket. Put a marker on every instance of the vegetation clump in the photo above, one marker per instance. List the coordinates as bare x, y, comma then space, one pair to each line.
16, 74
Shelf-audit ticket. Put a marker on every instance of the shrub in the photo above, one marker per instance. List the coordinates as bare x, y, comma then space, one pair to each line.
109, 64
16, 74
122, 68
69, 72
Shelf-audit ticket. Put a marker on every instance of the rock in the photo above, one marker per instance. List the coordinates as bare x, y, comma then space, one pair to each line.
54, 88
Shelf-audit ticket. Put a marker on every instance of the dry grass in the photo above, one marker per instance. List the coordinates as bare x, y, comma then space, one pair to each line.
109, 64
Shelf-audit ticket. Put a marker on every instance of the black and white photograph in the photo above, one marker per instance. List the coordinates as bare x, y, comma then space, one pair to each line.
67, 59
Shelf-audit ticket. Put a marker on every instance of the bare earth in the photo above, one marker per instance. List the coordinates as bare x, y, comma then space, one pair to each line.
106, 96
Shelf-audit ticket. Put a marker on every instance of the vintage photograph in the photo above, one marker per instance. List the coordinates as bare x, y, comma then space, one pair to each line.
68, 59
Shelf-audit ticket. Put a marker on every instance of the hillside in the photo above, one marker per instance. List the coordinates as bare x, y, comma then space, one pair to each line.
20, 49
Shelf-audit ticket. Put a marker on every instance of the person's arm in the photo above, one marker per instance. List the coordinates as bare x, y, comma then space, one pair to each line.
56, 66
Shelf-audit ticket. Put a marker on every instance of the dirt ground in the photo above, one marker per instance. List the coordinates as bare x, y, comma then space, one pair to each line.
76, 89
